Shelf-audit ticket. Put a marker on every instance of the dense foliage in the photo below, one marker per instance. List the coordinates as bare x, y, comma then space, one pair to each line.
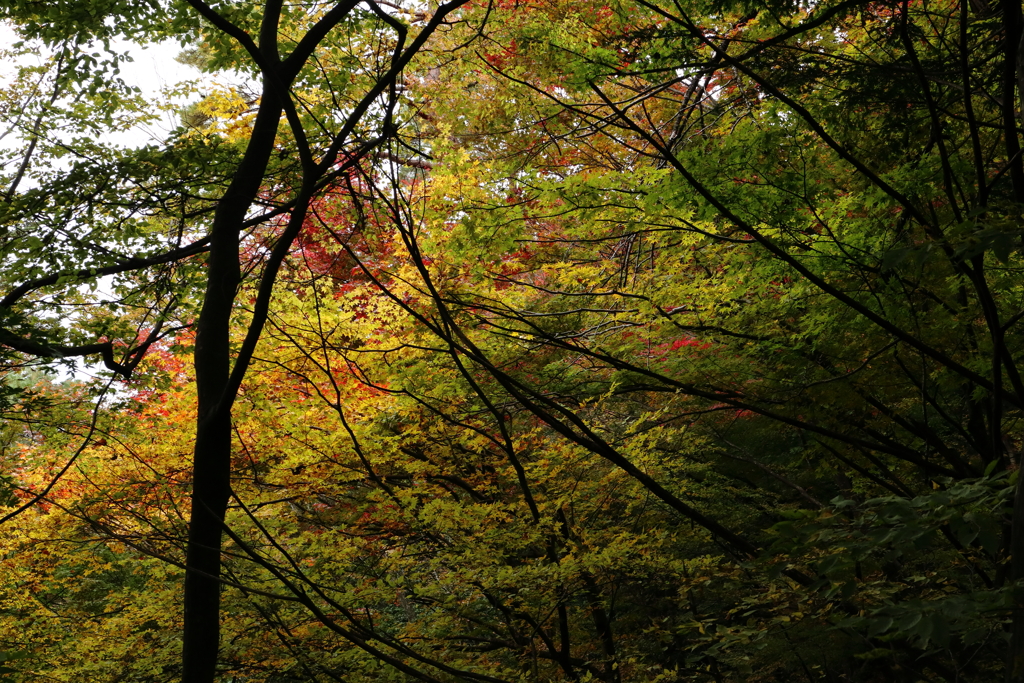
502, 341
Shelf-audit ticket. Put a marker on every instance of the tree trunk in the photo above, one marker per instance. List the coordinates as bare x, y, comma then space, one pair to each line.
211, 484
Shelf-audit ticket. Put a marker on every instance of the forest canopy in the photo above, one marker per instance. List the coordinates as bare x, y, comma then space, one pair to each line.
514, 340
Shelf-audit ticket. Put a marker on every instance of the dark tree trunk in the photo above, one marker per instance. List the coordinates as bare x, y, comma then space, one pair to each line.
211, 485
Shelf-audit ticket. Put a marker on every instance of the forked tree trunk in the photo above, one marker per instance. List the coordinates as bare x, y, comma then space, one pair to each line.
211, 484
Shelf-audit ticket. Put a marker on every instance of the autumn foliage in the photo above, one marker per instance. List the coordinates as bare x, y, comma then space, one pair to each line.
646, 342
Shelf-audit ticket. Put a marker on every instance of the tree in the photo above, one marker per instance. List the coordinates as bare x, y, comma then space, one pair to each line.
283, 48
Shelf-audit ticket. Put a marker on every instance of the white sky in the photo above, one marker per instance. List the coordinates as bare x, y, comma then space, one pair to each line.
152, 70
